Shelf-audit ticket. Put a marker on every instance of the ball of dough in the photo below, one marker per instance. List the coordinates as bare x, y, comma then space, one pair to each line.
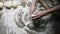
1, 5
8, 4
14, 4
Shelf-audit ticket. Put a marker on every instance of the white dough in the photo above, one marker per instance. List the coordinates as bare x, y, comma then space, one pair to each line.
8, 4
15, 4
1, 5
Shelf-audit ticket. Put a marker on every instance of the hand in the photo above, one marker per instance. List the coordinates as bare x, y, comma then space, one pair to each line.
38, 14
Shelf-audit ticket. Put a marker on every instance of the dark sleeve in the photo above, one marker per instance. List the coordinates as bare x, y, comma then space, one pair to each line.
58, 2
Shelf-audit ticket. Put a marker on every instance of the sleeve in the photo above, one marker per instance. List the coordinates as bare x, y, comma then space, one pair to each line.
52, 3
58, 2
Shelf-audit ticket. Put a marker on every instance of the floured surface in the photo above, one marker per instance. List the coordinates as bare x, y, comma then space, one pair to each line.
8, 21
15, 21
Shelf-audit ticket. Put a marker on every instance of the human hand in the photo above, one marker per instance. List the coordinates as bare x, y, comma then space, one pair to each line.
38, 14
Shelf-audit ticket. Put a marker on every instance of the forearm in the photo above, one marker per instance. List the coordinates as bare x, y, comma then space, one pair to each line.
53, 9
33, 5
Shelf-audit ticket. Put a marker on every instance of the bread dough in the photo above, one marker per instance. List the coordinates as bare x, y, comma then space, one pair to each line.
8, 4
1, 5
15, 4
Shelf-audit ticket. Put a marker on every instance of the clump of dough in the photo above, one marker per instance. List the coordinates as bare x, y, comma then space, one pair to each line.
14, 4
1, 5
8, 4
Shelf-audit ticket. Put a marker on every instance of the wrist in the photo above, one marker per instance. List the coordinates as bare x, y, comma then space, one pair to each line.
48, 11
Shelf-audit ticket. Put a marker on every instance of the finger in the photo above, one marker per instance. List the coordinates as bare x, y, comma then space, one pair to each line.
35, 17
35, 12
31, 11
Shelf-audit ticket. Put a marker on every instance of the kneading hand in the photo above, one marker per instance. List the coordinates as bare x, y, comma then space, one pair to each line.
37, 14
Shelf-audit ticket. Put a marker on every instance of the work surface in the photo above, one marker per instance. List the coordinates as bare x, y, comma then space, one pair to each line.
15, 21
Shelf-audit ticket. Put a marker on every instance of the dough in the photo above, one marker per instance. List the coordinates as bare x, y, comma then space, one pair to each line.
14, 4
1, 5
8, 4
